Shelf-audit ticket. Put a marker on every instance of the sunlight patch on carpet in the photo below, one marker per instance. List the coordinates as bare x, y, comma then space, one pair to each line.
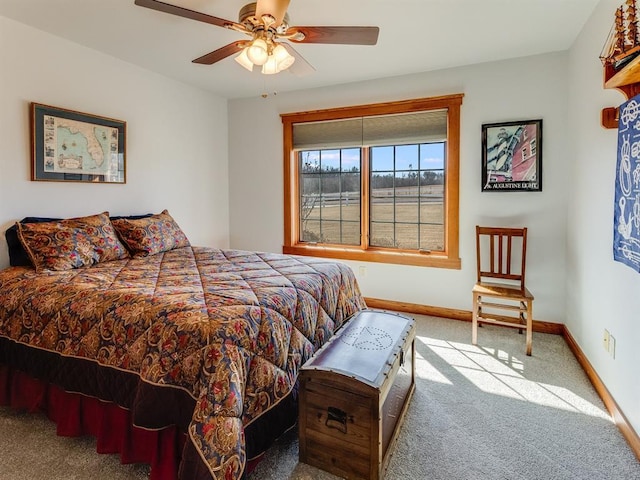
498, 372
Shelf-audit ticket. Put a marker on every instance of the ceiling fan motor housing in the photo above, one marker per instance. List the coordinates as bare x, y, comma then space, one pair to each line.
247, 17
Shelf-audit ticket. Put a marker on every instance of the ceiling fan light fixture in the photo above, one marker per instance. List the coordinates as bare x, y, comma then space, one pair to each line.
258, 52
279, 60
271, 66
283, 58
243, 59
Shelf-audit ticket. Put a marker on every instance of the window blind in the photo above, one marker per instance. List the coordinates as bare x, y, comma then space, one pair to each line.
401, 129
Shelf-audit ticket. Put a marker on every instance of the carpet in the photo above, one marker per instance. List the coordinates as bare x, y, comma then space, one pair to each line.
478, 412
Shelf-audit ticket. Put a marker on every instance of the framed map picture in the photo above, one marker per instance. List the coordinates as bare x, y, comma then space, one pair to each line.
72, 146
512, 156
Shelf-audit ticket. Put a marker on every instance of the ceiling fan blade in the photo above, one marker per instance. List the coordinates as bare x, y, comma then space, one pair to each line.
221, 53
300, 67
184, 12
275, 8
336, 35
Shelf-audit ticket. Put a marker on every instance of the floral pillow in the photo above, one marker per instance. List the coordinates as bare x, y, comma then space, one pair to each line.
148, 236
71, 243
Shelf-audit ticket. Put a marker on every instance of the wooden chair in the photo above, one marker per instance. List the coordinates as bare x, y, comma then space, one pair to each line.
501, 258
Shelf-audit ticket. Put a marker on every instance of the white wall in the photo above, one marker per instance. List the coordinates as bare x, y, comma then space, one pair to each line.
177, 146
522, 89
602, 294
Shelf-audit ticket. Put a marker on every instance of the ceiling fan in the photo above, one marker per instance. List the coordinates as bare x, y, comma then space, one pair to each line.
267, 23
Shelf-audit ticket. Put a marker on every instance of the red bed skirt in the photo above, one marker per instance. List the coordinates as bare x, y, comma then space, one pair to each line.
77, 415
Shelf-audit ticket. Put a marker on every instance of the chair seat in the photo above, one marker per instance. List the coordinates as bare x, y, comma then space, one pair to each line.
496, 290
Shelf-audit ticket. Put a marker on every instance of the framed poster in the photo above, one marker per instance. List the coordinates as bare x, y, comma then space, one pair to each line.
70, 146
512, 156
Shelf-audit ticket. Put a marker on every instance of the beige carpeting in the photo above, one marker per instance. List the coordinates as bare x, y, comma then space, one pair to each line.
486, 412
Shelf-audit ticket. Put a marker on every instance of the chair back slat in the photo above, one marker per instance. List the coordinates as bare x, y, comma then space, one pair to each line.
506, 260
509, 255
493, 252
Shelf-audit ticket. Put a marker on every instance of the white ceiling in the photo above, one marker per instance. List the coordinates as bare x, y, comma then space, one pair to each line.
415, 36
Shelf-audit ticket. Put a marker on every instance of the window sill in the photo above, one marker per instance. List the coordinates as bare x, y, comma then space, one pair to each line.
379, 256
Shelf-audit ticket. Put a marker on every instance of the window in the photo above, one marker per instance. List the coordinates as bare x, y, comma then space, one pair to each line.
374, 182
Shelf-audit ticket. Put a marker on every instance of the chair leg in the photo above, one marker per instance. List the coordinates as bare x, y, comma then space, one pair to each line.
523, 320
529, 326
474, 321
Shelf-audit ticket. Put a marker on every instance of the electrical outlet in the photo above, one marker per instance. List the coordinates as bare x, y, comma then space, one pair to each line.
363, 271
605, 339
612, 346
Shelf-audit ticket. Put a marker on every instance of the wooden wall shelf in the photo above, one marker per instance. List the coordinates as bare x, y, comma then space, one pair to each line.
624, 78
627, 81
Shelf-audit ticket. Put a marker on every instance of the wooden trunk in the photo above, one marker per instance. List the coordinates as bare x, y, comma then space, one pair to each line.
354, 394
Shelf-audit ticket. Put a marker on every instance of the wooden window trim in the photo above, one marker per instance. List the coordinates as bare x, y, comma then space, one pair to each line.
450, 258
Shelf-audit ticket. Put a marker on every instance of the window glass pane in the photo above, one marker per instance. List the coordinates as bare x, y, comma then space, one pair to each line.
410, 195
432, 156
310, 184
382, 235
351, 233
309, 161
331, 206
381, 158
351, 209
350, 183
432, 177
407, 210
331, 231
407, 157
310, 196
432, 237
341, 232
432, 211
330, 196
330, 185
381, 210
350, 200
404, 180
330, 160
351, 160
310, 231
310, 207
407, 236
381, 181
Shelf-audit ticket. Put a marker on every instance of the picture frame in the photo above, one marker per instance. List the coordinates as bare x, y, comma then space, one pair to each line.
71, 146
512, 156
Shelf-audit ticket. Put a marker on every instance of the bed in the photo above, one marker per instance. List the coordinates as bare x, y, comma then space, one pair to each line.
201, 341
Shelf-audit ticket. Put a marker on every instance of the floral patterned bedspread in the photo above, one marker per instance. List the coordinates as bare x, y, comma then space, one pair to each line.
229, 327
